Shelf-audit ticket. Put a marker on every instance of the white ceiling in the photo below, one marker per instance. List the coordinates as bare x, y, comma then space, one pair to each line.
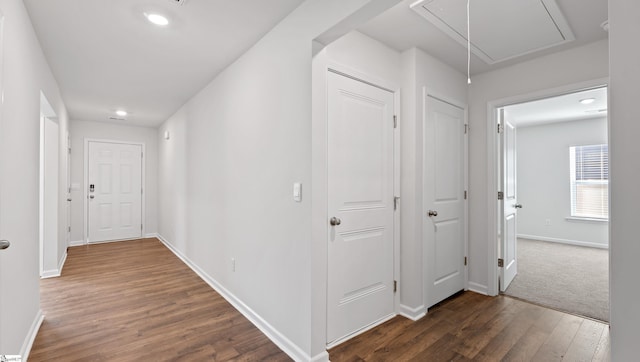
402, 28
107, 56
562, 108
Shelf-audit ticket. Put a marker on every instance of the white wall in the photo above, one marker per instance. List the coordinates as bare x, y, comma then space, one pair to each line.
25, 73
420, 71
236, 149
544, 182
107, 131
572, 66
624, 133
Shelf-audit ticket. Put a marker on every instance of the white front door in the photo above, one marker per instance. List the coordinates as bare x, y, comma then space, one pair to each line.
114, 191
444, 199
360, 189
509, 204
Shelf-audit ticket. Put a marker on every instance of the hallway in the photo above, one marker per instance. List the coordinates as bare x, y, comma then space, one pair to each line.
136, 301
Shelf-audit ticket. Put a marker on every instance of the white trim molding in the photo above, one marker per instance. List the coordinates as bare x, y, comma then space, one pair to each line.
31, 335
413, 313
564, 241
77, 243
285, 344
478, 288
55, 272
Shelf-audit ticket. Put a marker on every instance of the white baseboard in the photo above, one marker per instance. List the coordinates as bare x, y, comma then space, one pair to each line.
272, 333
321, 357
412, 313
53, 273
361, 331
77, 243
565, 241
478, 288
151, 235
31, 336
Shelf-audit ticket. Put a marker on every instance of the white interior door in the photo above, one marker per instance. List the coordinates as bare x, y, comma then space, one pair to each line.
509, 250
360, 202
114, 191
444, 199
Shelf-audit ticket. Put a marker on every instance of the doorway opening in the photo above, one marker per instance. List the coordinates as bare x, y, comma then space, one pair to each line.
552, 204
50, 257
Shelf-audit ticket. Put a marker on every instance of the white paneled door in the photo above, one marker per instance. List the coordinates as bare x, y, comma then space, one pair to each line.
360, 204
444, 199
114, 189
510, 204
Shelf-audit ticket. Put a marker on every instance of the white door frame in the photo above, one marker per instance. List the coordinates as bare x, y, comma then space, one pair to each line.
85, 192
493, 206
426, 92
320, 177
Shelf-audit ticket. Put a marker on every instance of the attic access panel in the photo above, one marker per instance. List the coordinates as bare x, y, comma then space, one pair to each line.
500, 29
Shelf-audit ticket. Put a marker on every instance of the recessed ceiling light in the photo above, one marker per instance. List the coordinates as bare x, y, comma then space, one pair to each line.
587, 100
157, 19
121, 113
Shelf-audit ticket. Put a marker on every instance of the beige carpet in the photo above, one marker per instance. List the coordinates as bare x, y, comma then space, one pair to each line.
569, 278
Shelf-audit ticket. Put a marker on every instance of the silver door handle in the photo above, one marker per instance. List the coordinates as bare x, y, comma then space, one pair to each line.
334, 221
432, 213
517, 206
91, 196
4, 244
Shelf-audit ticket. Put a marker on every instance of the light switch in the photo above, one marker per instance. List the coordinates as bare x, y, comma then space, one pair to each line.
297, 192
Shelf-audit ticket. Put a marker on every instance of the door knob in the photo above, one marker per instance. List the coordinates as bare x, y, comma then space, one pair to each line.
91, 196
4, 244
334, 221
517, 206
432, 213
69, 199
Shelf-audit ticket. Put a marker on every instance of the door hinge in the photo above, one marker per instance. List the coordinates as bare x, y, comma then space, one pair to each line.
141, 191
500, 195
395, 121
501, 263
395, 286
465, 260
69, 229
465, 194
466, 128
500, 128
69, 150
396, 199
140, 226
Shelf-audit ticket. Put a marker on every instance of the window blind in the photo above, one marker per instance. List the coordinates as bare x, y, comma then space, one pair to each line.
589, 181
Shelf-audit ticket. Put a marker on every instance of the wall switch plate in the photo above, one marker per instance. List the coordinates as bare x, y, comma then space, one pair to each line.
297, 192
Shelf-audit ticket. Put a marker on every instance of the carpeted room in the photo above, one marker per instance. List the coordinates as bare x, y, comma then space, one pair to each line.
562, 183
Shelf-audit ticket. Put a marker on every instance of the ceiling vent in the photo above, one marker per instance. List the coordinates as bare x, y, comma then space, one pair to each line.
178, 2
500, 29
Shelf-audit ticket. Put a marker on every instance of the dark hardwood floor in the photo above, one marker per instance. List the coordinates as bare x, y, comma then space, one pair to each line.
136, 301
474, 327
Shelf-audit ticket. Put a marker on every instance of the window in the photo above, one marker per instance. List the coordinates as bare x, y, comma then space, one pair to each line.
589, 181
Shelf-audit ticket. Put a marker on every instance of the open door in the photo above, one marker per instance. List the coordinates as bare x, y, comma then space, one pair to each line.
509, 250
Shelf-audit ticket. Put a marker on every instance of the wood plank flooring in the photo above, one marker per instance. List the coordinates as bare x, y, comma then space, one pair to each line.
136, 301
474, 327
